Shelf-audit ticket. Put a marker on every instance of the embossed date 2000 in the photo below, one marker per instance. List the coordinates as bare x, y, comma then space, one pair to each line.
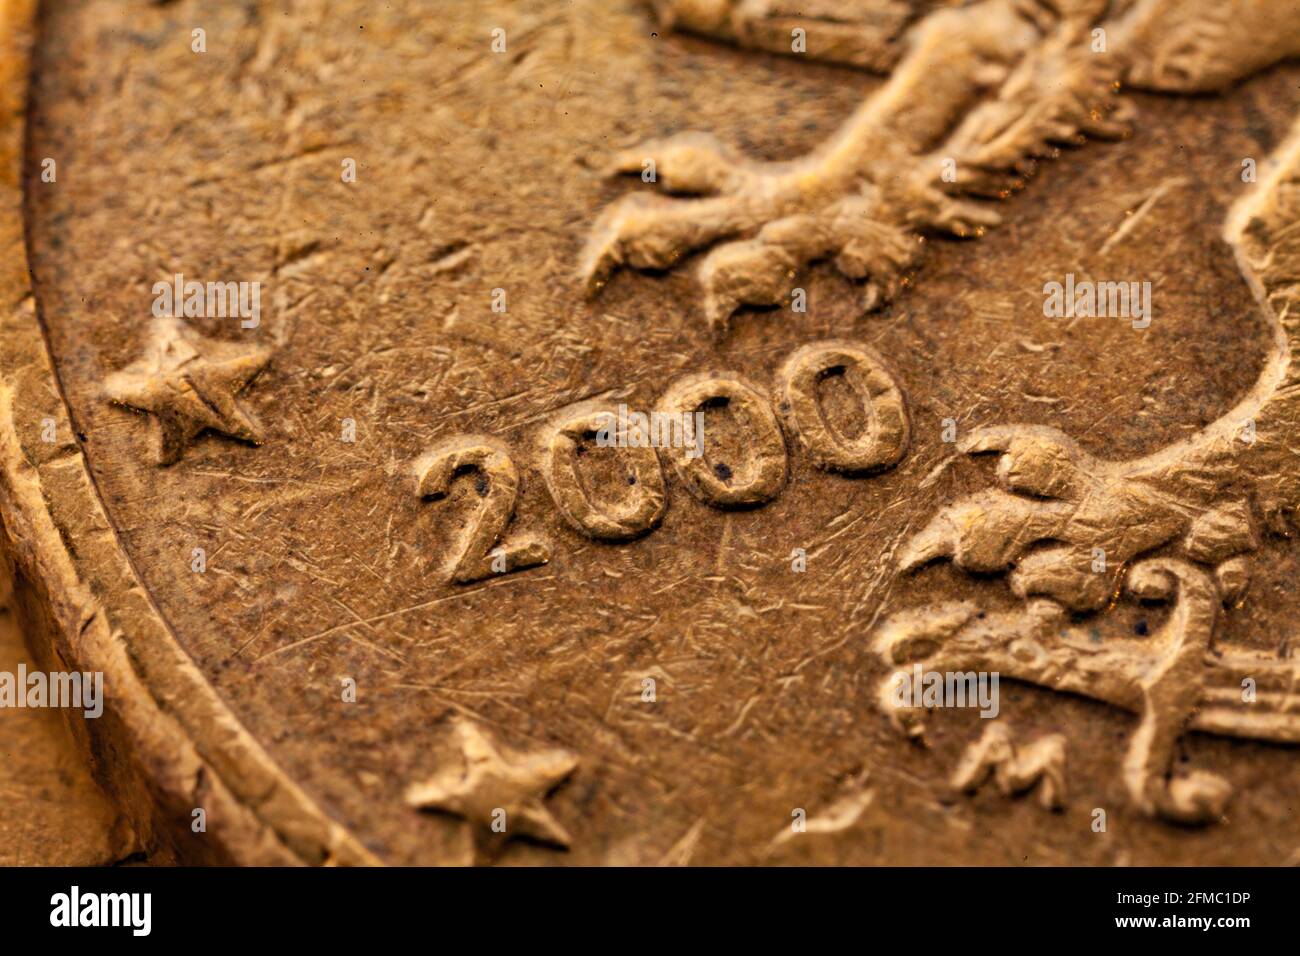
485, 547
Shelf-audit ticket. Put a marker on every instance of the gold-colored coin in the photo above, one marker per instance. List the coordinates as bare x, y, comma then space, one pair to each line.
686, 432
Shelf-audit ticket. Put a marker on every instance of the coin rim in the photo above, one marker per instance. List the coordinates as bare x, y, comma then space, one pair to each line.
167, 744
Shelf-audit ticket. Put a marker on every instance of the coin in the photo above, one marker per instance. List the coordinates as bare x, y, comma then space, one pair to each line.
700, 432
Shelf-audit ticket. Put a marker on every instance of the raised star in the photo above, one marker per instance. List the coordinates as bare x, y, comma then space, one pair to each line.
487, 778
189, 385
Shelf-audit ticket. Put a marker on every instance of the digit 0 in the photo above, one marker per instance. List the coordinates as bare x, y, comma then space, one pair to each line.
603, 521
726, 484
884, 440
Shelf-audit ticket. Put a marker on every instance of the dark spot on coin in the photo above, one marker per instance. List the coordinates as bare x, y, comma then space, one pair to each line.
722, 471
1141, 629
481, 485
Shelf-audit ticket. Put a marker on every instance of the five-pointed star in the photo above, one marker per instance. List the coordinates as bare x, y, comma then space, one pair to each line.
489, 778
189, 384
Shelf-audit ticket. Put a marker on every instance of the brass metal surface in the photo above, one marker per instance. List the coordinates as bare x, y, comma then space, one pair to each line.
366, 587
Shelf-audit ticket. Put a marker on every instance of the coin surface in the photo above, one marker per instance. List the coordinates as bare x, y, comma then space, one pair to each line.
696, 432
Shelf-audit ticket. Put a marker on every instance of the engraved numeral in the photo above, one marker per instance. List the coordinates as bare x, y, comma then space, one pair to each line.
602, 521
728, 484
496, 482
756, 479
885, 438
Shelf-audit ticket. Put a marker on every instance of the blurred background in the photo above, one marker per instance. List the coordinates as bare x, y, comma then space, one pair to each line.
52, 813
